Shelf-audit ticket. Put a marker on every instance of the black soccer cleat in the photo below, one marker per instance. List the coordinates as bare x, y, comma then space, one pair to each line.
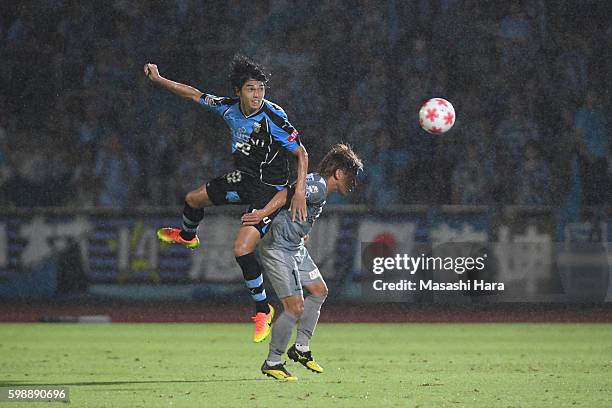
278, 372
304, 358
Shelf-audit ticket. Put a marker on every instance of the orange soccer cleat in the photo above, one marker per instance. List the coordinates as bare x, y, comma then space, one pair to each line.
263, 325
172, 236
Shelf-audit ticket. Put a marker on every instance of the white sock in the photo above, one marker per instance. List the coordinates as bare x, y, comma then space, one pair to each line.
301, 347
273, 363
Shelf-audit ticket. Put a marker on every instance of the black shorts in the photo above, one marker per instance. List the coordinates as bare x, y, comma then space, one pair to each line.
238, 188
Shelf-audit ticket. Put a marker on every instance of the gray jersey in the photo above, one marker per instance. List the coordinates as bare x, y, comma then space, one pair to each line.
288, 235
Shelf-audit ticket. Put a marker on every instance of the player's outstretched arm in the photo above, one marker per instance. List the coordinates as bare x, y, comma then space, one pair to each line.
255, 217
298, 202
182, 90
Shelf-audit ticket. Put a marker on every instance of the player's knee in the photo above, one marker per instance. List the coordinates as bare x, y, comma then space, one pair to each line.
242, 248
245, 241
239, 249
192, 199
318, 290
197, 198
295, 307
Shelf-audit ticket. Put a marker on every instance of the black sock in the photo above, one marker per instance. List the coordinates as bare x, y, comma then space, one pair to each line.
191, 219
251, 271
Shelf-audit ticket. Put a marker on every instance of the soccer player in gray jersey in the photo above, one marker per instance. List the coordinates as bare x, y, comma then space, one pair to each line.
289, 267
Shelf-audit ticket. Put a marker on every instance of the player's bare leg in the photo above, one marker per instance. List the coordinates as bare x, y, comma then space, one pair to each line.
246, 240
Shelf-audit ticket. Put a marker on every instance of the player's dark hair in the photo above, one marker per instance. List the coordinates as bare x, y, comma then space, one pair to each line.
243, 68
340, 157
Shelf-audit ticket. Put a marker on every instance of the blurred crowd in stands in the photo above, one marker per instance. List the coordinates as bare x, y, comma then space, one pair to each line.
81, 126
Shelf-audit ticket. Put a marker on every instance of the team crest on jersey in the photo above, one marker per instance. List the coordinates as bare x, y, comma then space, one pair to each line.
256, 127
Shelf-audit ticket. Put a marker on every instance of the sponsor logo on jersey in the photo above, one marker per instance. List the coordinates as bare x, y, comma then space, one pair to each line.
293, 136
314, 274
241, 135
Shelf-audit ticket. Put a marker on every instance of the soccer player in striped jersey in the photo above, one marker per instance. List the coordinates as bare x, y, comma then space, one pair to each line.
262, 140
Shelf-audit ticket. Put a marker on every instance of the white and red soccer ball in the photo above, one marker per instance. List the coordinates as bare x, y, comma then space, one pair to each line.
437, 116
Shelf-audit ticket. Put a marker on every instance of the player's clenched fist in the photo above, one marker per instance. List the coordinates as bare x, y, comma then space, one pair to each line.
151, 72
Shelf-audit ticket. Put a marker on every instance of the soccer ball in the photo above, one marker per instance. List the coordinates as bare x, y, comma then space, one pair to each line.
437, 116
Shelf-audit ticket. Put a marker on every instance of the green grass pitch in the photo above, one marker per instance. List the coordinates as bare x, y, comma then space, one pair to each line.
377, 365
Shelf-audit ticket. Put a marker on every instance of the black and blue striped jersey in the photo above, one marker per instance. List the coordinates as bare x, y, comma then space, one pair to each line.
261, 141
